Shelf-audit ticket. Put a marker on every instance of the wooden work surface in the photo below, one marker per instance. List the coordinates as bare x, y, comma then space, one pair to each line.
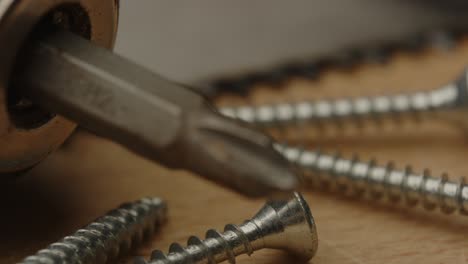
89, 176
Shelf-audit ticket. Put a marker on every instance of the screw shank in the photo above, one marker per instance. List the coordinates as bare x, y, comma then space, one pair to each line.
356, 110
107, 237
360, 178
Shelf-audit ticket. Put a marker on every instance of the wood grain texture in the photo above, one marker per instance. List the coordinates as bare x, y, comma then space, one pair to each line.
88, 176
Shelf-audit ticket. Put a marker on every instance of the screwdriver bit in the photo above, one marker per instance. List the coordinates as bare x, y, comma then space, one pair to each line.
154, 117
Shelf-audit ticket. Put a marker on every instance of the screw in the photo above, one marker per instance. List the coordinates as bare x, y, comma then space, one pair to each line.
106, 237
360, 178
453, 96
281, 224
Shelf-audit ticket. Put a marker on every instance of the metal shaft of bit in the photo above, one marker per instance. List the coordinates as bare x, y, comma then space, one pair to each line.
148, 114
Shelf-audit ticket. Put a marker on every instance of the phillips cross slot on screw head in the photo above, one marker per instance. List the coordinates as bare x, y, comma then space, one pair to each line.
148, 114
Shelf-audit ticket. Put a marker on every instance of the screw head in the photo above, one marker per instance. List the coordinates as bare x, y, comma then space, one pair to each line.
288, 225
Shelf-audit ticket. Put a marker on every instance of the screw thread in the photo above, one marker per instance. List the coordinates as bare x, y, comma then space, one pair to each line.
312, 69
217, 247
360, 178
106, 237
338, 110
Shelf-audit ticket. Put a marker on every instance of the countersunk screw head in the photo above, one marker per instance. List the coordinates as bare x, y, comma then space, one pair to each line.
288, 225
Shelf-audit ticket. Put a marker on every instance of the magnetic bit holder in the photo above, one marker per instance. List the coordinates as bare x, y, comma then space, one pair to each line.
107, 237
281, 224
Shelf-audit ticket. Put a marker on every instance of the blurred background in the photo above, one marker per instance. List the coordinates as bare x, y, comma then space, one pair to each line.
196, 40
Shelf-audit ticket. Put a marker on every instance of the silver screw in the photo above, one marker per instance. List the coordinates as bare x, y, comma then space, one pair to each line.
360, 178
106, 237
285, 224
453, 96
